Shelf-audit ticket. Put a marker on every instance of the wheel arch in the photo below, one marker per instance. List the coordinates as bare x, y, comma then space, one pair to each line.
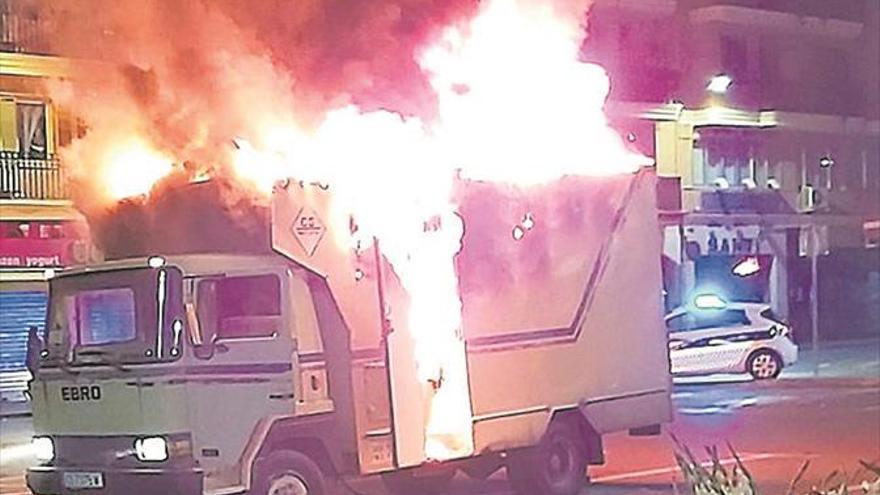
309, 446
311, 436
283, 461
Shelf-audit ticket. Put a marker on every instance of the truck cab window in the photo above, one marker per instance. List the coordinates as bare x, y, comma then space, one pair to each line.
104, 316
241, 307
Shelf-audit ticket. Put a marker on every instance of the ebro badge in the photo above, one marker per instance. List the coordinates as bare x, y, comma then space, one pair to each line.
81, 393
308, 230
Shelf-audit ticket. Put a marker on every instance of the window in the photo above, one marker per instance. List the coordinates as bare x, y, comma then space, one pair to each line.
771, 315
31, 119
707, 319
246, 307
749, 336
105, 316
23, 128
726, 318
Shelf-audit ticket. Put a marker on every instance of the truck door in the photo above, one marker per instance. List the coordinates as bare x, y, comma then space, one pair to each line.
243, 369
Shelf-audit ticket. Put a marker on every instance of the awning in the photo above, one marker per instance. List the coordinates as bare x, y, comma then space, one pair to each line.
38, 210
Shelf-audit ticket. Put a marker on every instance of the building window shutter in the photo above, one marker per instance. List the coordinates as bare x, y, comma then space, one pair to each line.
8, 125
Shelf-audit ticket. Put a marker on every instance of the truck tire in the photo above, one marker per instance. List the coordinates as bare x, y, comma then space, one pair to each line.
286, 472
556, 466
405, 482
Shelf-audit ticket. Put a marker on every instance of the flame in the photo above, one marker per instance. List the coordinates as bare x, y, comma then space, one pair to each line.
130, 168
392, 176
515, 106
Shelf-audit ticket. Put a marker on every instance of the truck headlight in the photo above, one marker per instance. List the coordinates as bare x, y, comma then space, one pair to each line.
44, 448
151, 449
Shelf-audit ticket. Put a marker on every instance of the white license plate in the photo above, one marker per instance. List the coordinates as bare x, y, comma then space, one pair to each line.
83, 481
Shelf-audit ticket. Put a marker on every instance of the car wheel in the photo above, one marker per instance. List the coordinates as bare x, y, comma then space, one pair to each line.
287, 472
764, 364
556, 466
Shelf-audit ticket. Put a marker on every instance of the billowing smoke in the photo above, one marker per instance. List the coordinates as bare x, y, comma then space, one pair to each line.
181, 217
166, 82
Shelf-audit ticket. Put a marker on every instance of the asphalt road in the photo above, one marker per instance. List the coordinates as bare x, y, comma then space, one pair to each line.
825, 411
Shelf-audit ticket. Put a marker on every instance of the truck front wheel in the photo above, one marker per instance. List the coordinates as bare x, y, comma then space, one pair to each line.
286, 472
556, 466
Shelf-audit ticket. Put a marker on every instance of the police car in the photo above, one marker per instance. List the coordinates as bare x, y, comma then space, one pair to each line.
714, 336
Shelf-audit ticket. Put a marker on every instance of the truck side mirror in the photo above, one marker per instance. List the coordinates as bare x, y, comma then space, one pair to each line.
34, 350
206, 311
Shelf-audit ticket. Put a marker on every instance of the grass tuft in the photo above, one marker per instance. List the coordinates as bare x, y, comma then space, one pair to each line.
713, 477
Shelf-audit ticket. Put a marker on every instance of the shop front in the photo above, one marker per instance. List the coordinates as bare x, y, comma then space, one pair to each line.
30, 250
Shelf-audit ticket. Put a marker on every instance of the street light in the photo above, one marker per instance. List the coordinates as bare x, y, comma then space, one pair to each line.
719, 84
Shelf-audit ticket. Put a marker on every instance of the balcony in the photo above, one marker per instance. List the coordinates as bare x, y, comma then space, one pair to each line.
21, 29
844, 11
31, 179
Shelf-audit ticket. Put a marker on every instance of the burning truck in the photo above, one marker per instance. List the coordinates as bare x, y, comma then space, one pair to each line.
474, 292
221, 373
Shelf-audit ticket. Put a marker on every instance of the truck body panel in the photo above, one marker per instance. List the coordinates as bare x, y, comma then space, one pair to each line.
548, 318
600, 341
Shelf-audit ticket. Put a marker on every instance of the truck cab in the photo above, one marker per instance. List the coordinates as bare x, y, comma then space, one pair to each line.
174, 367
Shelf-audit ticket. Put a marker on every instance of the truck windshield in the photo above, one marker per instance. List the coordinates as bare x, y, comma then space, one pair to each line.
119, 316
104, 316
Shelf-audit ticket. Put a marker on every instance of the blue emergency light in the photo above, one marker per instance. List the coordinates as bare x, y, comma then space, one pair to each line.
709, 301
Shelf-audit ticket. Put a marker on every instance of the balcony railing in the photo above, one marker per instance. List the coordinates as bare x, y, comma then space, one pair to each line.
29, 178
21, 29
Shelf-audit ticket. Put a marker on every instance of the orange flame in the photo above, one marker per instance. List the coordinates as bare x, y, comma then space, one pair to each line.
132, 167
515, 105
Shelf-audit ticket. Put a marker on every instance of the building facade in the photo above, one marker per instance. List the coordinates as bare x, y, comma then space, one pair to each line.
771, 183
39, 228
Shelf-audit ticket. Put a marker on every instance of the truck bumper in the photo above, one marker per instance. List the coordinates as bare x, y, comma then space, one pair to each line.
47, 480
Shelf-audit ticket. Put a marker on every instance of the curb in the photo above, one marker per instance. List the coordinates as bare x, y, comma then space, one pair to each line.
5, 415
810, 381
